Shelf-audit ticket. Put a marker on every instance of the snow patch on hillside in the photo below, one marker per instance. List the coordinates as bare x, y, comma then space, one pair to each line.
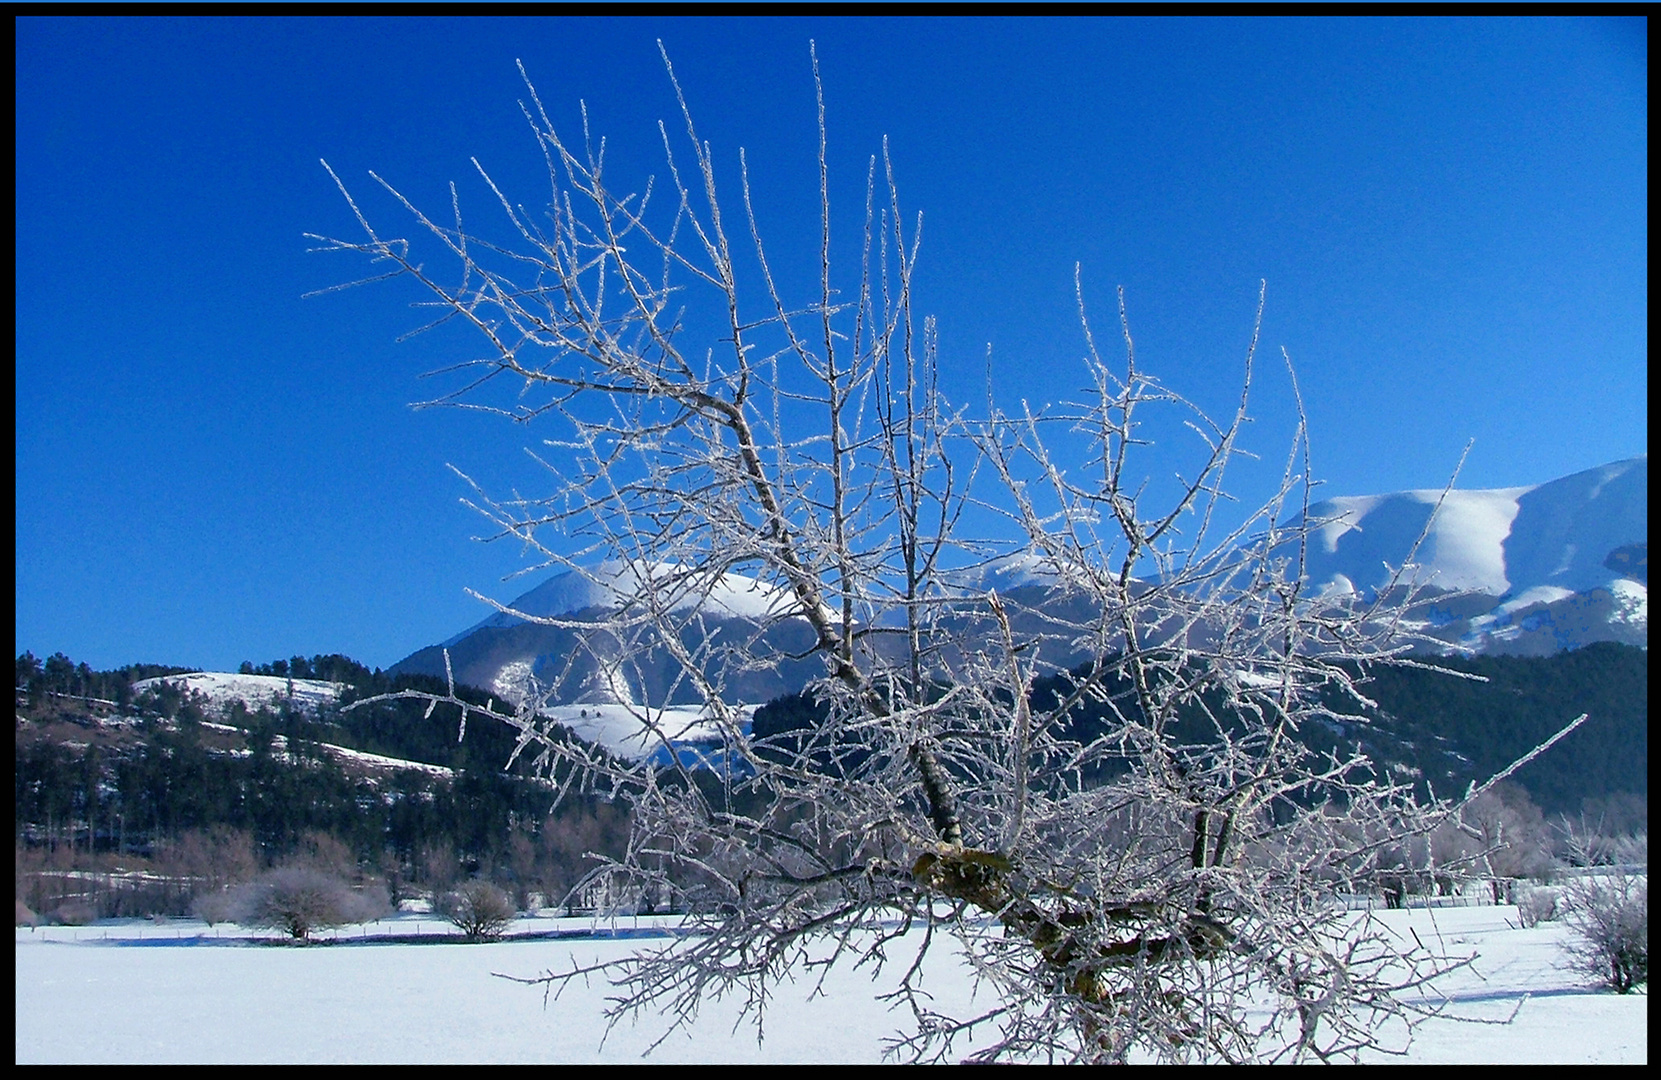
635, 732
366, 760
514, 681
1540, 594
254, 691
1527, 544
1631, 602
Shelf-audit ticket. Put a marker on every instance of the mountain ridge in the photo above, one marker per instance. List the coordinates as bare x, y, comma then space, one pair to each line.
1529, 570
1501, 541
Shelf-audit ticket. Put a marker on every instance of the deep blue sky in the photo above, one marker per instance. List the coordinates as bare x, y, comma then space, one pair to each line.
1451, 216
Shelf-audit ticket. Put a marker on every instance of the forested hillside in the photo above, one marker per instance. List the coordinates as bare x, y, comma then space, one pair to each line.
111, 779
1458, 730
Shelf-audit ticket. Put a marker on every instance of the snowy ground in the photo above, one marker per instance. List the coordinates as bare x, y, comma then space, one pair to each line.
180, 992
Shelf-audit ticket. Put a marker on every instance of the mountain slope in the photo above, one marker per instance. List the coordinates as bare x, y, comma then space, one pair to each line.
609, 586
1550, 567
1503, 542
1522, 570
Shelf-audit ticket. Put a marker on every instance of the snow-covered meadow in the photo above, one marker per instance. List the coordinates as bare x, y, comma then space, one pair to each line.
181, 992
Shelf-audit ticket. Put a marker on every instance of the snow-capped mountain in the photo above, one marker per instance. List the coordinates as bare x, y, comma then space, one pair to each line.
610, 586
1513, 570
1553, 566
730, 620
1556, 536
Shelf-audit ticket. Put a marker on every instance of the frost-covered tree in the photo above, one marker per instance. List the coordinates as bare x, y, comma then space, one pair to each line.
1101, 790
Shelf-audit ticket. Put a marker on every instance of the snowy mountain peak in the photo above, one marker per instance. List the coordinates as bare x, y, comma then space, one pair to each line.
1506, 542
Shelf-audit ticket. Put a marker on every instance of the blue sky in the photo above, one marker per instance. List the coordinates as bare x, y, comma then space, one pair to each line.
1451, 216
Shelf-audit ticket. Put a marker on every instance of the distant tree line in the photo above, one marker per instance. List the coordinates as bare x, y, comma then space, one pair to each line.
331, 667
41, 682
161, 788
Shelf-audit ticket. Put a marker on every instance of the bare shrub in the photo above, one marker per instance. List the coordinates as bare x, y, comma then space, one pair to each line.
1609, 912
211, 859
437, 866
570, 847
1512, 839
216, 906
1620, 814
1596, 839
26, 916
1538, 904
327, 853
478, 909
300, 899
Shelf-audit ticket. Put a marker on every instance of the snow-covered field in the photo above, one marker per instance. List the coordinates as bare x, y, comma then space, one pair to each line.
180, 992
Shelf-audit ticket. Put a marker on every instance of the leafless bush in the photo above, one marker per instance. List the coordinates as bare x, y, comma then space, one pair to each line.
1133, 860
26, 915
1607, 905
1610, 917
1632, 850
1509, 835
212, 859
1593, 839
478, 909
299, 899
1620, 814
437, 866
570, 846
1538, 904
